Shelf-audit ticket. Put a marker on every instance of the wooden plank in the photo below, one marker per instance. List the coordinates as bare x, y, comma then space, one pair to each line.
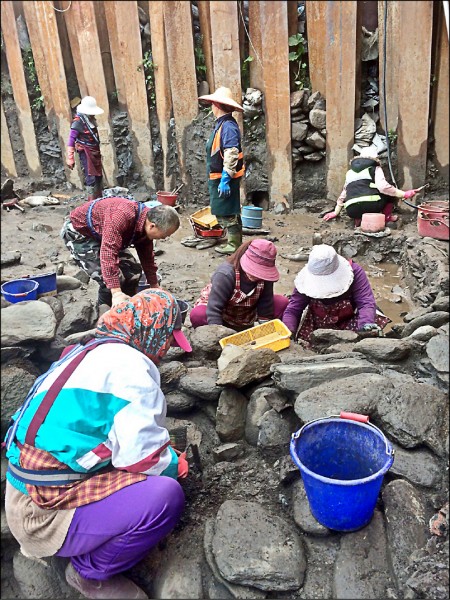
40, 60
7, 159
69, 67
116, 56
162, 81
104, 46
316, 23
129, 39
45, 28
225, 45
392, 64
340, 60
19, 86
205, 28
440, 117
274, 24
413, 108
70, 18
183, 82
255, 48
83, 19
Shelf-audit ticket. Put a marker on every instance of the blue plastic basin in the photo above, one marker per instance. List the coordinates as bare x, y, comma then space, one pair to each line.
20, 290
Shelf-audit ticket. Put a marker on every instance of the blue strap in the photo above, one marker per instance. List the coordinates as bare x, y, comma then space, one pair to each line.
90, 224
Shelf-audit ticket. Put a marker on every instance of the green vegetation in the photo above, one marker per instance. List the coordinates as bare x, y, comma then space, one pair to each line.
37, 99
298, 44
200, 63
149, 72
392, 136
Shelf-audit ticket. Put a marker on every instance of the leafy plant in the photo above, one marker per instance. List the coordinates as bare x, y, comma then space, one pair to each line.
200, 63
38, 103
149, 73
245, 72
114, 95
299, 48
392, 136
33, 82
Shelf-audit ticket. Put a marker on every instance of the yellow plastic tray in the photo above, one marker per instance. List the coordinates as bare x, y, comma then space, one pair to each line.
273, 334
204, 217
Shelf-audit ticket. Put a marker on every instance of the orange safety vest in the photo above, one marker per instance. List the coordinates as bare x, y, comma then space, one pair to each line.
216, 165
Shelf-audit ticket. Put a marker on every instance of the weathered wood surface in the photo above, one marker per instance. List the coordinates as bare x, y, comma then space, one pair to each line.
7, 152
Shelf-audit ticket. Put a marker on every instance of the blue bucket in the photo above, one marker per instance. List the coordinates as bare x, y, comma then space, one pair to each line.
46, 284
252, 217
342, 463
20, 290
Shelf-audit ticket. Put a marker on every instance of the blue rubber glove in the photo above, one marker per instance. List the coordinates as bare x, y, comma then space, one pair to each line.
224, 185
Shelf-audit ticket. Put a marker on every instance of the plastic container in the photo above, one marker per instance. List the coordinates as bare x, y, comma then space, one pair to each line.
373, 222
433, 220
202, 232
167, 198
46, 284
252, 217
20, 290
342, 462
273, 334
204, 218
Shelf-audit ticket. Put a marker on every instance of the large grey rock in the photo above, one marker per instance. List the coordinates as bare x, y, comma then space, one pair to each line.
250, 367
252, 546
231, 413
228, 452
56, 305
274, 398
66, 282
200, 382
384, 349
415, 414
257, 406
302, 512
179, 402
275, 429
80, 314
358, 393
205, 340
362, 564
27, 322
436, 319
437, 351
170, 373
318, 118
322, 337
416, 313
37, 579
419, 467
298, 131
322, 554
406, 524
315, 140
310, 371
240, 592
423, 334
441, 303
17, 378
427, 574
10, 258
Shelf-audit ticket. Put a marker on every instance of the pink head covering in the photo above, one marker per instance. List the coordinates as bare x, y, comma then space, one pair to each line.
259, 260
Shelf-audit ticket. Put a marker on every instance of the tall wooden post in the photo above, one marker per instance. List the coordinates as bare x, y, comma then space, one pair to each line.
42, 26
7, 159
341, 63
133, 76
392, 63
413, 108
116, 56
162, 81
19, 86
316, 11
183, 82
274, 43
255, 48
205, 28
440, 117
83, 20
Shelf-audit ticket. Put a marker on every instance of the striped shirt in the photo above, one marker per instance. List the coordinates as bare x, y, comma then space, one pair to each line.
114, 220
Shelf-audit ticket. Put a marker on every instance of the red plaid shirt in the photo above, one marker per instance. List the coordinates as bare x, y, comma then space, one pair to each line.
114, 220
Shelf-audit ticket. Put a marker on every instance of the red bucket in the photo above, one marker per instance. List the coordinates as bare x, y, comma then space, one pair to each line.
167, 198
433, 220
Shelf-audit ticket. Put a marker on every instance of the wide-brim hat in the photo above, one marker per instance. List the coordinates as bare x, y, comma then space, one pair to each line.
259, 261
326, 275
222, 95
88, 106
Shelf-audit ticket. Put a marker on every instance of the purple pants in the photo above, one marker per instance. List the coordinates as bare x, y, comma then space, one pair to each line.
198, 313
112, 535
94, 181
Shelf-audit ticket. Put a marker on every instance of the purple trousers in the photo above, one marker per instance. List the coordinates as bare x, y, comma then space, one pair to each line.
112, 535
93, 181
198, 313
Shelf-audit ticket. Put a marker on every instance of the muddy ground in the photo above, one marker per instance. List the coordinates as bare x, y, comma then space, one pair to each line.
35, 234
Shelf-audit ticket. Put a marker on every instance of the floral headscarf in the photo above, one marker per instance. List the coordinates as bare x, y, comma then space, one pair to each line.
145, 322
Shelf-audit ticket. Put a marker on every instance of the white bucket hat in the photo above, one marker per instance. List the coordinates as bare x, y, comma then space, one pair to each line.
88, 106
222, 95
326, 275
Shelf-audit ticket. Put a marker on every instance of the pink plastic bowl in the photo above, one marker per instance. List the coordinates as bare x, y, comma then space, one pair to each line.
372, 222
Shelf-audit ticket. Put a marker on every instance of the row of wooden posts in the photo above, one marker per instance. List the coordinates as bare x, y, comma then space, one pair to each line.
101, 42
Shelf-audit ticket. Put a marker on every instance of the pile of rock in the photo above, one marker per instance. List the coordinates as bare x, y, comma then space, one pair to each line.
308, 126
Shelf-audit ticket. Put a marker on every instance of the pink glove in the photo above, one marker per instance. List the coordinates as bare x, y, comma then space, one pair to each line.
183, 466
70, 162
329, 216
409, 194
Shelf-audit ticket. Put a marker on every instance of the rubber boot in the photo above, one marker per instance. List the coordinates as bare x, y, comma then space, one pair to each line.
234, 241
387, 212
90, 192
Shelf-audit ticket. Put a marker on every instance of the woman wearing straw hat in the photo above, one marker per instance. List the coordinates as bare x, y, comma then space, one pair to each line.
84, 139
366, 190
225, 166
332, 292
241, 290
